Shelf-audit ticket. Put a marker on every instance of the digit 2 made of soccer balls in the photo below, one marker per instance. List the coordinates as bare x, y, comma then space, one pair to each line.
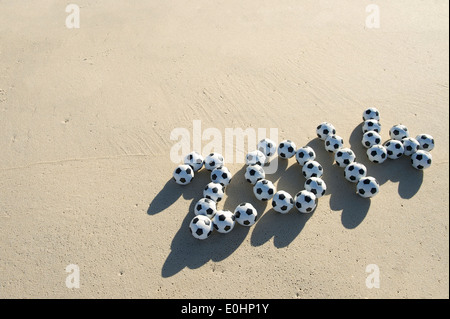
208, 217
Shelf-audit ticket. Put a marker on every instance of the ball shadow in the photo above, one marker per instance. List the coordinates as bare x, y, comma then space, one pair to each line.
187, 251
283, 228
282, 164
343, 196
240, 191
172, 191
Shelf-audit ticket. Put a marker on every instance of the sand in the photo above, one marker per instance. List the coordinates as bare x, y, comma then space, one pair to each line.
86, 116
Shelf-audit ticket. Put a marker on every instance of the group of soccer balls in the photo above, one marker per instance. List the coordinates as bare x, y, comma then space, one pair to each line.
399, 144
366, 186
208, 217
282, 202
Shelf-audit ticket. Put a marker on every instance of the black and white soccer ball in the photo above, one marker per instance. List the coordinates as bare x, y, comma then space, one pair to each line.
246, 214
213, 160
377, 154
312, 169
394, 148
254, 173
370, 139
304, 154
411, 145
264, 189
305, 201
221, 175
324, 130
316, 185
344, 157
421, 159
183, 174
213, 191
201, 227
367, 187
371, 125
255, 157
267, 147
354, 172
371, 113
206, 207
282, 202
399, 132
286, 149
426, 142
194, 160
333, 143
223, 221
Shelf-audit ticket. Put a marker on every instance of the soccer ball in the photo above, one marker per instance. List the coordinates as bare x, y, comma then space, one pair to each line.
255, 157
194, 160
421, 159
183, 174
426, 142
354, 172
394, 148
411, 145
312, 169
316, 186
371, 114
282, 202
367, 187
370, 139
221, 175
286, 149
201, 227
213, 160
213, 191
324, 130
267, 147
246, 214
377, 154
398, 132
344, 157
264, 189
205, 207
305, 201
333, 143
304, 154
223, 221
371, 125
254, 173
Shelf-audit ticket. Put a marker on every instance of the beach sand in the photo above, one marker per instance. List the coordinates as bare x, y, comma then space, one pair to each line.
86, 116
